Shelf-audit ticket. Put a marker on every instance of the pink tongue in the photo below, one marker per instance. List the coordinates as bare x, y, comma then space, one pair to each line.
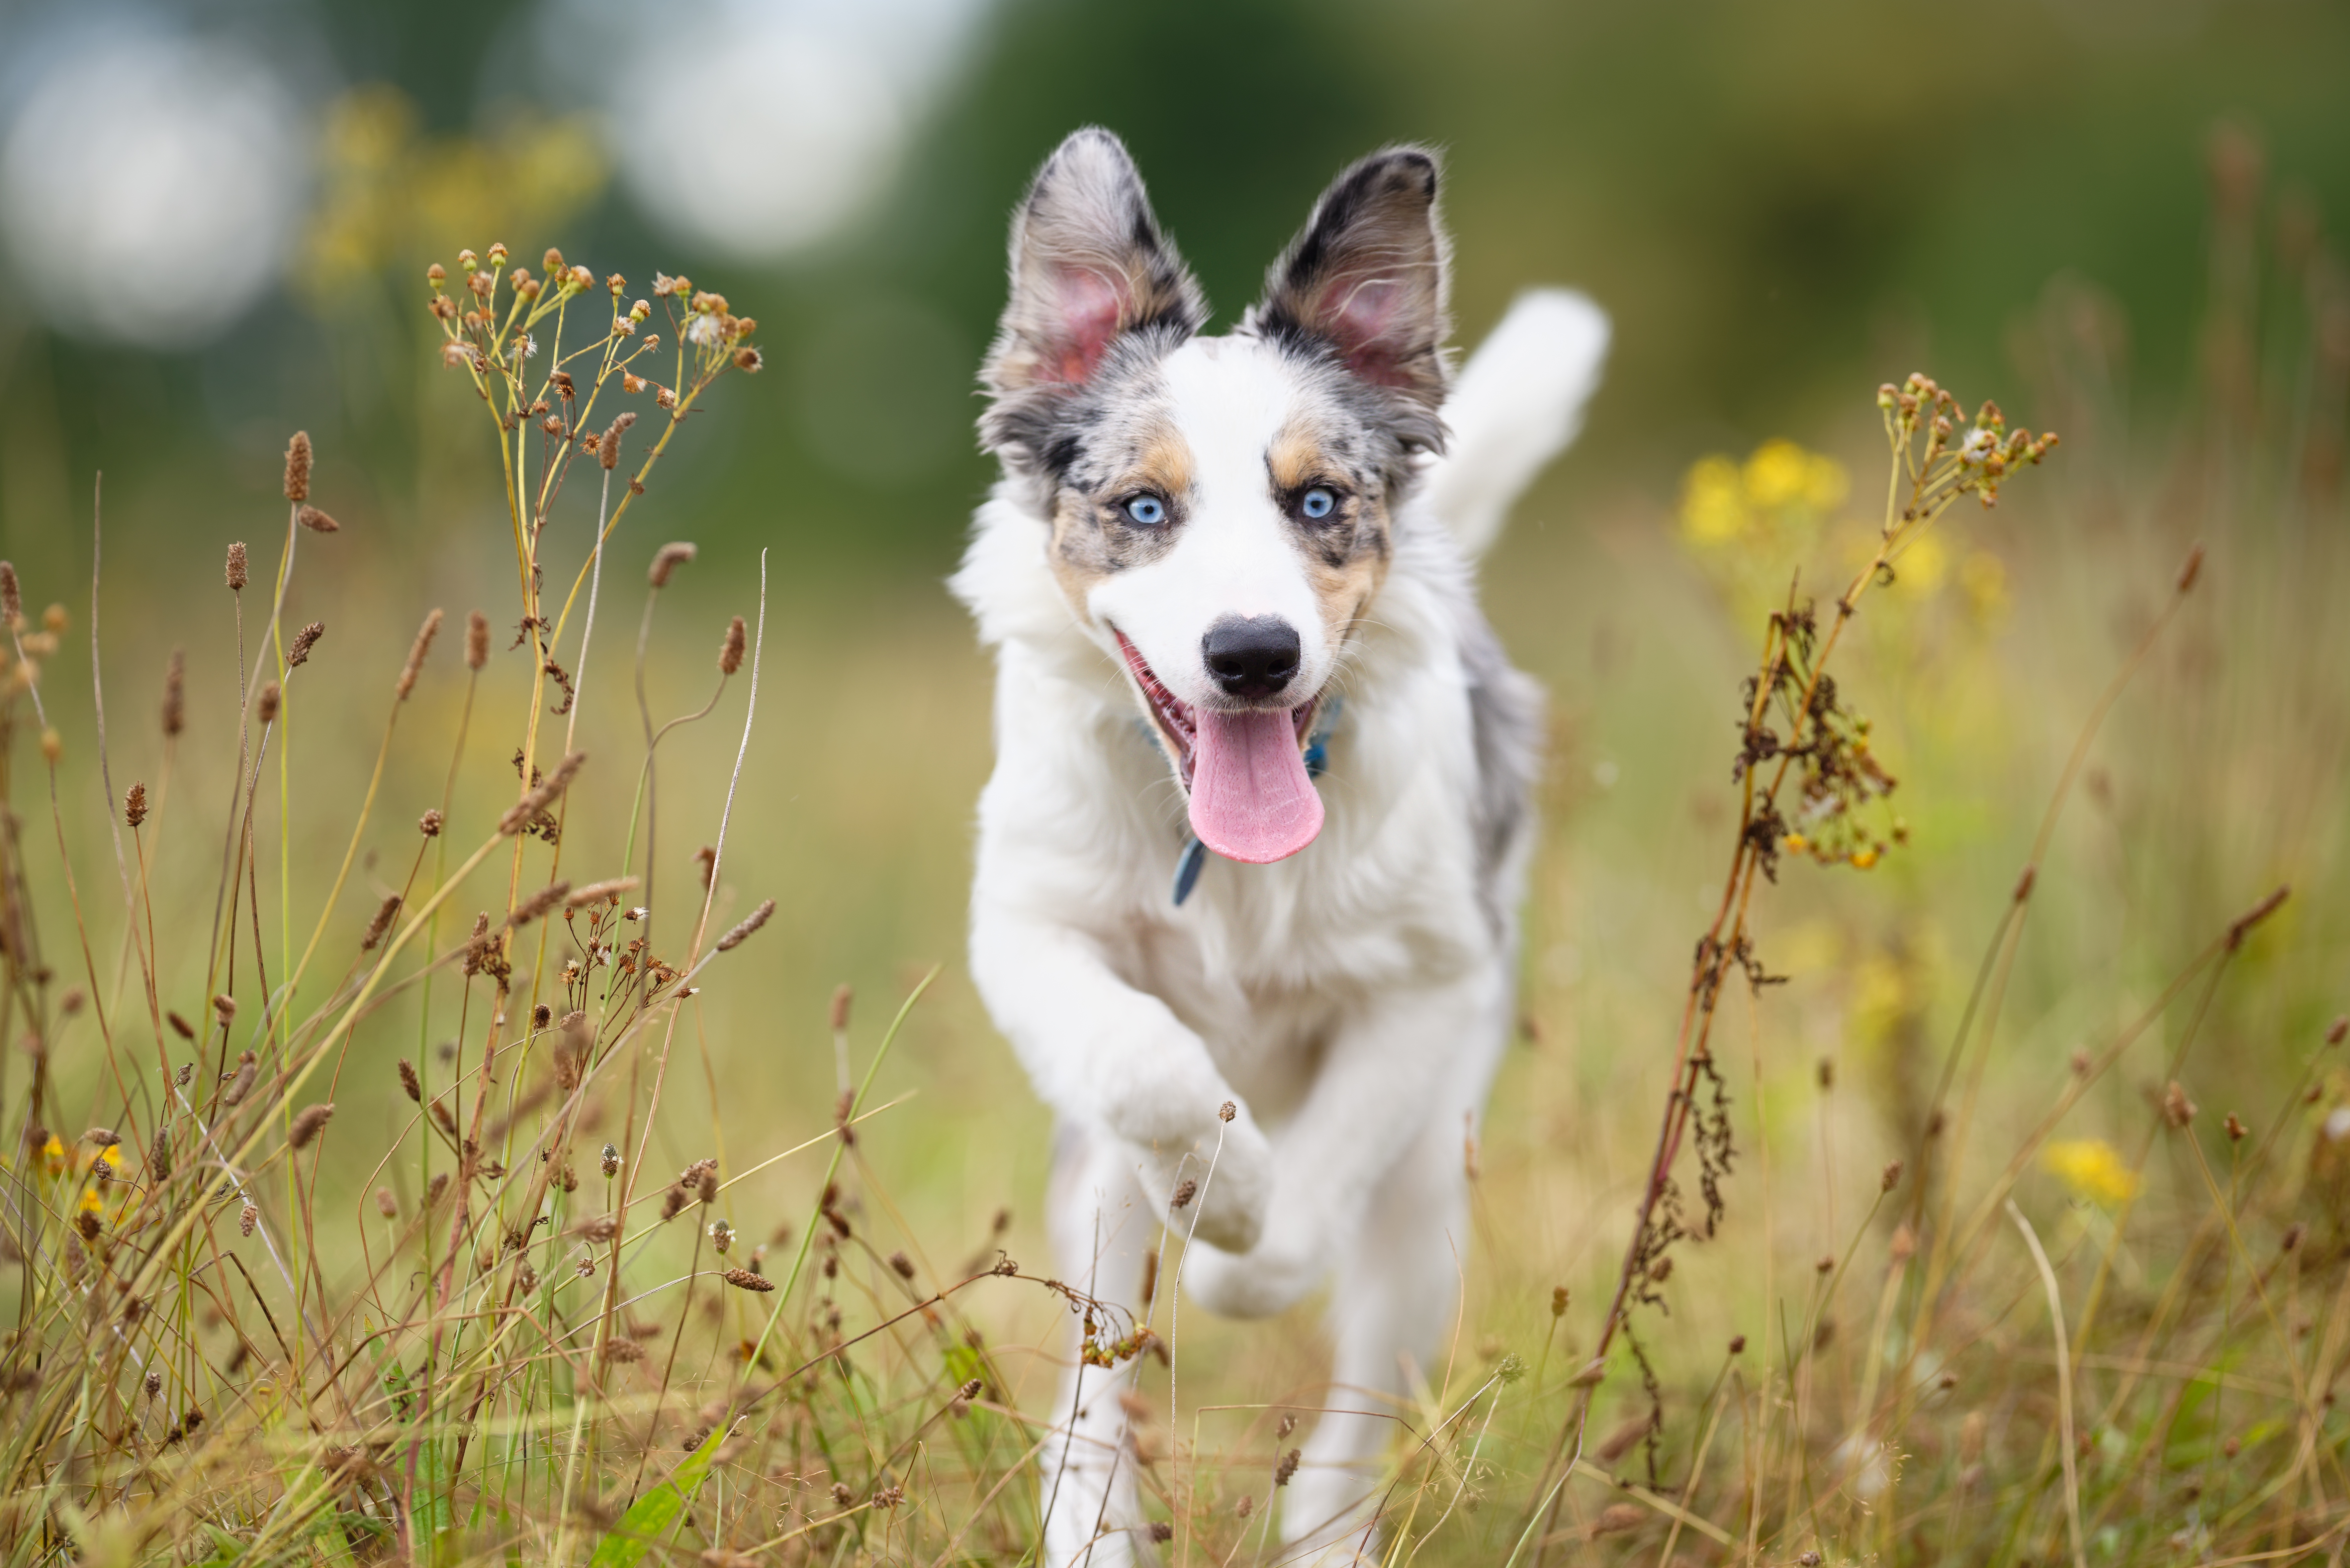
1251, 799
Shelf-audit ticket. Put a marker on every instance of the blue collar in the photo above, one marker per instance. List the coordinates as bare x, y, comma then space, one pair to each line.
1317, 763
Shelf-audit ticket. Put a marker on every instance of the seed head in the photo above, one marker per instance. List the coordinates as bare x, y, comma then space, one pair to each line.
265, 706
376, 928
249, 1221
2237, 1130
1558, 1301
2336, 1032
745, 1280
1185, 1191
749, 923
175, 694
1891, 1177
134, 805
721, 1236
706, 860
298, 653
240, 1082
2178, 1110
840, 1000
610, 1162
386, 1204
1227, 1111
749, 358
310, 1122
524, 811
235, 570
596, 892
428, 824
12, 597
477, 640
409, 1082
903, 1265
297, 467
599, 1230
53, 745
317, 522
416, 652
538, 903
1283, 1471
607, 445
104, 1138
730, 651
668, 559
225, 1009
181, 1026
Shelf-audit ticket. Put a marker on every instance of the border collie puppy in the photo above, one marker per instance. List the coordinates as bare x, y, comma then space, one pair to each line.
1250, 862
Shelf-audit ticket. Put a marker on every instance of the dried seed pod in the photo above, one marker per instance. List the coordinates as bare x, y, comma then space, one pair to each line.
297, 467
377, 927
607, 445
745, 1280
1185, 1191
730, 651
134, 805
749, 924
477, 640
311, 1121
410, 1084
668, 559
416, 652
538, 903
428, 824
175, 694
249, 1220
298, 653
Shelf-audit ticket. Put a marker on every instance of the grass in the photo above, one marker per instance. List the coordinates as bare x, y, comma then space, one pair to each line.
2096, 1314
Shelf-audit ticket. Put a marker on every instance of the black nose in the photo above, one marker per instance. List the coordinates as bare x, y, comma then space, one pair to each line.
1251, 659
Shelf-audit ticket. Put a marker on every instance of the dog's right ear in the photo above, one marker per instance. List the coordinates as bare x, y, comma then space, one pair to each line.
1088, 264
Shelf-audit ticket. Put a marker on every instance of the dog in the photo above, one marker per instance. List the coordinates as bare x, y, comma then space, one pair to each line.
1249, 863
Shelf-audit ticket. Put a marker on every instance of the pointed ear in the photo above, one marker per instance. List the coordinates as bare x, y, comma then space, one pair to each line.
1369, 278
1088, 263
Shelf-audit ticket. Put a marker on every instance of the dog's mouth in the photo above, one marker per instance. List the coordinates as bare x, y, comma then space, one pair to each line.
1244, 770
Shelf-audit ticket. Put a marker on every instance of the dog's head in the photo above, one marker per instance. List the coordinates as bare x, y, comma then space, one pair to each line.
1222, 508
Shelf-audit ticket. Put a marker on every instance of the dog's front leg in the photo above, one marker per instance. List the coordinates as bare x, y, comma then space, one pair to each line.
1407, 1056
1117, 1059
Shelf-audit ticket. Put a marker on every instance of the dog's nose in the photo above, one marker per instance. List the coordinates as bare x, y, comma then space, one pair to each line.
1253, 658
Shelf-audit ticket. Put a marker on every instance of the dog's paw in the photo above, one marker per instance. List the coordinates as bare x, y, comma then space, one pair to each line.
1236, 1190
1269, 1278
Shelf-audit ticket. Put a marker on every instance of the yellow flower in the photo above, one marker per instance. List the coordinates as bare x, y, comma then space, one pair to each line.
1713, 501
91, 1203
1862, 859
1794, 843
1781, 473
2091, 1167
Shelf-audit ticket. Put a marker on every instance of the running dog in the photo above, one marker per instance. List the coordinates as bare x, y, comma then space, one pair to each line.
1249, 861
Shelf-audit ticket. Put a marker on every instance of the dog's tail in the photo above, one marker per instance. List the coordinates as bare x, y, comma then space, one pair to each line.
1514, 407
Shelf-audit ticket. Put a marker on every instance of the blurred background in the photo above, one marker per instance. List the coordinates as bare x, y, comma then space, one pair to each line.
2112, 216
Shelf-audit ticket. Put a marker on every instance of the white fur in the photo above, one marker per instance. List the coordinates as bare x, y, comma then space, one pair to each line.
1351, 1002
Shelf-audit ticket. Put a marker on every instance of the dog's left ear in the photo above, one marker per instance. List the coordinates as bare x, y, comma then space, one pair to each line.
1369, 277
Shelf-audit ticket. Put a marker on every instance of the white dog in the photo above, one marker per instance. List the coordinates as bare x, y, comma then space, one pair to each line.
1249, 861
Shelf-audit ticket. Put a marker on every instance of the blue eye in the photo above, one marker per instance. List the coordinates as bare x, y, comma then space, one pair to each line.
1318, 503
1146, 510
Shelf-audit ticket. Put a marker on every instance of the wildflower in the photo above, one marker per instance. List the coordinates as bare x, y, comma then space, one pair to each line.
2091, 1167
416, 652
297, 467
749, 924
730, 651
1979, 444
